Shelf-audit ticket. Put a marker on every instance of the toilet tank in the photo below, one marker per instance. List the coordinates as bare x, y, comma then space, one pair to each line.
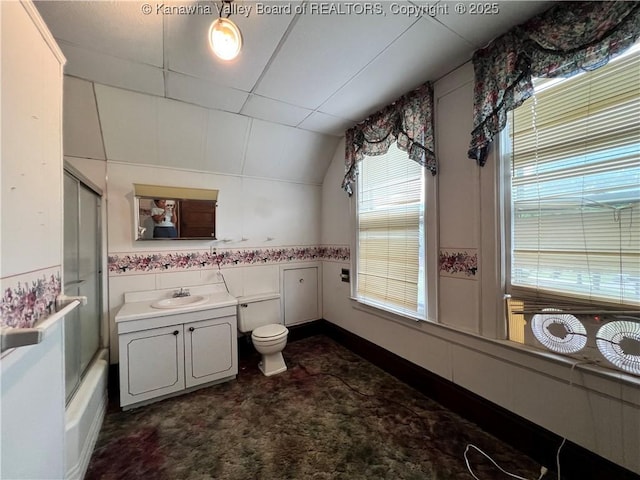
257, 310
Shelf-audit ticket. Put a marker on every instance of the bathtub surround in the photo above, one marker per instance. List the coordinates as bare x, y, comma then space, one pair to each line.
331, 415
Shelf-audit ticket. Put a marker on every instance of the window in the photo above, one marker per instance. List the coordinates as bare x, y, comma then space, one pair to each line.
575, 187
390, 259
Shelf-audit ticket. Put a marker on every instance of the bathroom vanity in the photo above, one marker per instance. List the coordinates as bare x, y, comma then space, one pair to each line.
171, 345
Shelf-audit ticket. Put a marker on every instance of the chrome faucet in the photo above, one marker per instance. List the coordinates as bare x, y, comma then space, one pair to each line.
184, 292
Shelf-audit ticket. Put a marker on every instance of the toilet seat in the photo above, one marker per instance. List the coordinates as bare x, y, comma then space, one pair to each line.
270, 332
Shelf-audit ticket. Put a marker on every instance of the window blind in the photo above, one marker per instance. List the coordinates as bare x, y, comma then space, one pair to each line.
575, 187
390, 261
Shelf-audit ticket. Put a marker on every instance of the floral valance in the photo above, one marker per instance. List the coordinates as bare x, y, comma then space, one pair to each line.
408, 121
568, 38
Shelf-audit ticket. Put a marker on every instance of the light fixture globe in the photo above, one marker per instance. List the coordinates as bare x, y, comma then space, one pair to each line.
225, 39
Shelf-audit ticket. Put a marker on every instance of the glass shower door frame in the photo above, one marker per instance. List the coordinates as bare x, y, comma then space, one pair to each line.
82, 275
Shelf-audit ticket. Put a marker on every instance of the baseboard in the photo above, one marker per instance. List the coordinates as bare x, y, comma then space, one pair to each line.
538, 443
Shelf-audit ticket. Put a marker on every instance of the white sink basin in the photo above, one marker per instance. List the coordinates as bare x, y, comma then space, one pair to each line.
178, 302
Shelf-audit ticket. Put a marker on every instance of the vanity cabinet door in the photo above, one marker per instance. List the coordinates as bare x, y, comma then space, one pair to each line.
210, 350
151, 363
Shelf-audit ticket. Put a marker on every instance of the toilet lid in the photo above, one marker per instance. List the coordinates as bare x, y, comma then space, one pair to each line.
268, 331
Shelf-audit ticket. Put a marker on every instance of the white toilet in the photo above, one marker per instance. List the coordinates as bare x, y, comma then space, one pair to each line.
260, 315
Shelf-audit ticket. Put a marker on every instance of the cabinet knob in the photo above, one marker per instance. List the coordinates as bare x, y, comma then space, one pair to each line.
176, 332
191, 329
301, 280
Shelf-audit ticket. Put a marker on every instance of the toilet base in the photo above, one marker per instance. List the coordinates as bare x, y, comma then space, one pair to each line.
272, 364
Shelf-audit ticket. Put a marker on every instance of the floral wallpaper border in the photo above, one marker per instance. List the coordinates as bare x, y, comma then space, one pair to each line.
459, 263
30, 299
162, 261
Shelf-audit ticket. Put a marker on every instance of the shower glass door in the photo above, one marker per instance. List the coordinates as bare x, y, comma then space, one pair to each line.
82, 276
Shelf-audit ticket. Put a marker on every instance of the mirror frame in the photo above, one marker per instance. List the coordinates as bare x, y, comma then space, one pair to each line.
180, 197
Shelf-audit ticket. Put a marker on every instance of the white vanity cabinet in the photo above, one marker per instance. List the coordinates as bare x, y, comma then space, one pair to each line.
171, 354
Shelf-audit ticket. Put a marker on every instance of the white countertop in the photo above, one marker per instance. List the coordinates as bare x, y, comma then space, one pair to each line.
137, 305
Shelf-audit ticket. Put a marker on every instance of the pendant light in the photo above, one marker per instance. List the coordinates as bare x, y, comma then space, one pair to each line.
225, 38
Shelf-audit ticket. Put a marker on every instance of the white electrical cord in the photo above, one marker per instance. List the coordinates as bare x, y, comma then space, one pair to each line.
543, 470
558, 457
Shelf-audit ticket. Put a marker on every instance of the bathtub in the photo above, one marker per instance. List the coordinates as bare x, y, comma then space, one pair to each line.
84, 415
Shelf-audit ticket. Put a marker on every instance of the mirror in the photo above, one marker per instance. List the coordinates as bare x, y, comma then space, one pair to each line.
170, 213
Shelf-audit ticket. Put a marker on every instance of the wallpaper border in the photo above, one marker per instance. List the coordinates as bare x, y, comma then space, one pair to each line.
30, 297
153, 262
459, 263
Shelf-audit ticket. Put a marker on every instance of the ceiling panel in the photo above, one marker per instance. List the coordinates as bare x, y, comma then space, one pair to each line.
274, 111
322, 52
188, 49
226, 141
119, 29
397, 73
276, 151
479, 29
201, 92
129, 125
112, 71
181, 134
324, 123
81, 127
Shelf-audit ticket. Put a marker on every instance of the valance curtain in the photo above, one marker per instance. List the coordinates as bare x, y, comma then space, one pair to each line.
568, 38
408, 121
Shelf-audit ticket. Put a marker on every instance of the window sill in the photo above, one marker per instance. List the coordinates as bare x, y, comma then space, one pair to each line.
384, 313
590, 376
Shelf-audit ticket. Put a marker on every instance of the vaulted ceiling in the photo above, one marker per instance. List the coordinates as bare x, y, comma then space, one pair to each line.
317, 72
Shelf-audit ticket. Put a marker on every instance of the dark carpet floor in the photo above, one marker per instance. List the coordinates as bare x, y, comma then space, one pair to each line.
331, 415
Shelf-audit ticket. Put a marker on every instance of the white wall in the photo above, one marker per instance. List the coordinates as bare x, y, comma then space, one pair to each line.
590, 406
31, 173
252, 209
32, 402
